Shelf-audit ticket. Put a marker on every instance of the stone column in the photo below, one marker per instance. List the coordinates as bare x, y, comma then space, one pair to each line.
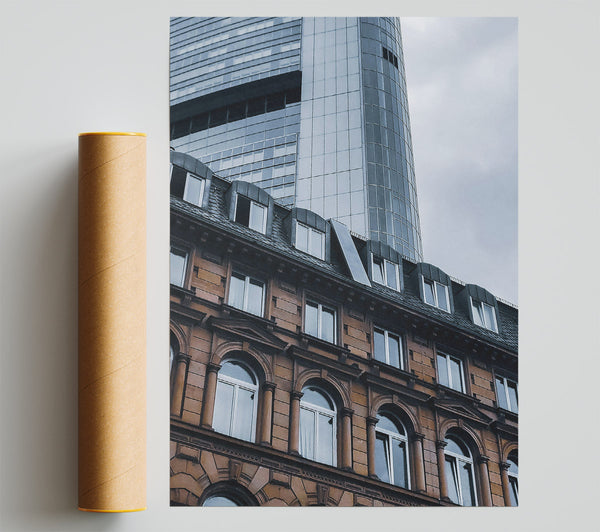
210, 390
371, 422
347, 438
418, 462
440, 445
181, 364
266, 422
484, 477
294, 435
504, 467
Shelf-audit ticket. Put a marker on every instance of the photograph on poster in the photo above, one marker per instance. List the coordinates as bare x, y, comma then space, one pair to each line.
318, 355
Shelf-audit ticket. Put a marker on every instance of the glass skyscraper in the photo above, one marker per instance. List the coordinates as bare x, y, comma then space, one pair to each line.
314, 110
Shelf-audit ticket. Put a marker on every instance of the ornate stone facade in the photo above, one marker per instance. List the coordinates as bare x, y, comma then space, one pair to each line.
267, 467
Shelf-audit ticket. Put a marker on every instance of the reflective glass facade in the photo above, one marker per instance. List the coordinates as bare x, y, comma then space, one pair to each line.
392, 193
314, 110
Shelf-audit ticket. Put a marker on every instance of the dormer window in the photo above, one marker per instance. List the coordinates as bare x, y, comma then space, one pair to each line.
251, 214
436, 294
385, 272
187, 186
484, 315
309, 240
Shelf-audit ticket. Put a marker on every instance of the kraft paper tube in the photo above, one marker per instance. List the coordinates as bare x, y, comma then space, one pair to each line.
112, 322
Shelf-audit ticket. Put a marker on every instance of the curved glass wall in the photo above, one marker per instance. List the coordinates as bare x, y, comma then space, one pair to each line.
254, 138
391, 186
313, 110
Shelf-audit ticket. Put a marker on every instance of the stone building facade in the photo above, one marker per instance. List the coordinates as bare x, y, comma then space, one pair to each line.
312, 367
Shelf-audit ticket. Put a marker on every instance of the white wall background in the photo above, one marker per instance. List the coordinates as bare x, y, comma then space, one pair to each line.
68, 67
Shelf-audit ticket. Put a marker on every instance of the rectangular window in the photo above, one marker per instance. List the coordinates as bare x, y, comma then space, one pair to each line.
436, 294
194, 189
247, 294
311, 241
178, 265
251, 214
450, 372
320, 321
507, 394
186, 185
484, 315
385, 272
387, 347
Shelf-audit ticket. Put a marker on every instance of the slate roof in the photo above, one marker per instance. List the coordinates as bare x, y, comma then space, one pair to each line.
216, 215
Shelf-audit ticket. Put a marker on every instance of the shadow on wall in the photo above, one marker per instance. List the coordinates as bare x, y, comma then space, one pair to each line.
39, 363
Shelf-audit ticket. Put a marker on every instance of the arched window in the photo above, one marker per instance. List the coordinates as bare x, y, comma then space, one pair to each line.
513, 479
173, 349
227, 494
459, 472
318, 421
220, 500
236, 400
391, 452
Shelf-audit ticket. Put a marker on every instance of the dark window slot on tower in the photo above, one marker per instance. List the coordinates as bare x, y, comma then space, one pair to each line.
237, 111
218, 117
275, 102
256, 106
199, 123
292, 96
180, 129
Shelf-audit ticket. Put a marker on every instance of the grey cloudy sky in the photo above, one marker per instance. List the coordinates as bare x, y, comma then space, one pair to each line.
462, 90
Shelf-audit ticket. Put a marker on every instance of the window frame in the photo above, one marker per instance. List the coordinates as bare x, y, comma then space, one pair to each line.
245, 298
395, 436
310, 230
386, 334
189, 174
202, 188
463, 388
465, 460
237, 384
513, 479
435, 284
505, 382
186, 258
253, 205
474, 303
310, 301
319, 410
385, 262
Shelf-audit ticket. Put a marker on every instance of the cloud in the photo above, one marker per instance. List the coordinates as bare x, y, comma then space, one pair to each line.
462, 90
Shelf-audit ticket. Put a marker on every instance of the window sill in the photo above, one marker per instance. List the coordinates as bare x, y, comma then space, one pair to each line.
228, 309
306, 338
383, 367
507, 413
445, 390
185, 294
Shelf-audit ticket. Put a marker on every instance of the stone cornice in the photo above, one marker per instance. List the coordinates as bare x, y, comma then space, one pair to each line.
296, 465
345, 284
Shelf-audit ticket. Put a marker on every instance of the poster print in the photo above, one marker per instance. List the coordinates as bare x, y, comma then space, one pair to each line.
316, 357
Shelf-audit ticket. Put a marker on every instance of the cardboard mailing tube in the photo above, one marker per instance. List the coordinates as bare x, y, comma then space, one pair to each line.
112, 322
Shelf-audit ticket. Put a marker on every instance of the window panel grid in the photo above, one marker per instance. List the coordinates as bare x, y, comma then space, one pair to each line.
450, 372
507, 394
247, 294
460, 478
321, 321
387, 347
